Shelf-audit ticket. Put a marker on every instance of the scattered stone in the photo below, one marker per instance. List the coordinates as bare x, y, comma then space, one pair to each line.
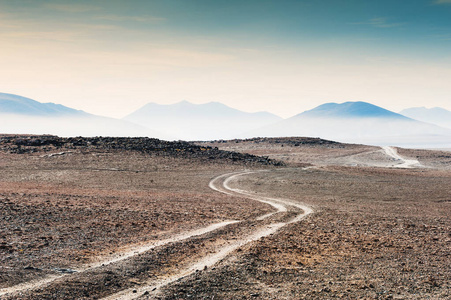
32, 268
21, 144
65, 271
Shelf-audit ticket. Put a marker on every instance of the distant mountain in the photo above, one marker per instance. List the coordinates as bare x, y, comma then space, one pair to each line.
14, 104
436, 115
188, 121
26, 116
359, 122
350, 110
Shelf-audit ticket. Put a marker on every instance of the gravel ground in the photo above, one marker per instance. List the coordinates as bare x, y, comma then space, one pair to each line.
67, 207
300, 151
430, 158
376, 233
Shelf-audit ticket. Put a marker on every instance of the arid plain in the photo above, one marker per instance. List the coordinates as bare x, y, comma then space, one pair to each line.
288, 218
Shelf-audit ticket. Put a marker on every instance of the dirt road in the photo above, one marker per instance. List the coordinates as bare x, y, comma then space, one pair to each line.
222, 184
246, 231
403, 162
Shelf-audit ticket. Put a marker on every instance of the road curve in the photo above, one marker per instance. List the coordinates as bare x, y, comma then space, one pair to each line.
404, 163
278, 203
222, 184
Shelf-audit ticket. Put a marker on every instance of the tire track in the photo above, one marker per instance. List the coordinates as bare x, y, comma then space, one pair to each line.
404, 163
131, 252
222, 184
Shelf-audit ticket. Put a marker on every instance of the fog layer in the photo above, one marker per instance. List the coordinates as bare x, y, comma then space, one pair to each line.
87, 125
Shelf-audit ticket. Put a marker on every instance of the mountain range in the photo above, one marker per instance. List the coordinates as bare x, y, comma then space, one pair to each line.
359, 122
355, 122
208, 121
436, 115
22, 115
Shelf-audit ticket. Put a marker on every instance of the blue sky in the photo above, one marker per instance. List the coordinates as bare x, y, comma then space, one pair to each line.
111, 57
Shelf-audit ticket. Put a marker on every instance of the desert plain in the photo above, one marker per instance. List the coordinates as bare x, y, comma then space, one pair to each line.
263, 218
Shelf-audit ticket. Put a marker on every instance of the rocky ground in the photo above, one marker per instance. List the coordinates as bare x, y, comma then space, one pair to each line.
68, 202
430, 158
376, 233
301, 151
33, 144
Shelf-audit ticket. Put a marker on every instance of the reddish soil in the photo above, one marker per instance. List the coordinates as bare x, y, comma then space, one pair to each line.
376, 233
63, 211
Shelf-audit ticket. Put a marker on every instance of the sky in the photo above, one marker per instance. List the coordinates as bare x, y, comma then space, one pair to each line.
110, 57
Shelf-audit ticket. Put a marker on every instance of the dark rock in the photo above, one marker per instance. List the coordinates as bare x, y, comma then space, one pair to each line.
65, 271
32, 268
47, 143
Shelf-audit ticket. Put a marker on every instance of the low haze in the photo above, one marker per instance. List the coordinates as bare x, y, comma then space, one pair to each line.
69, 126
360, 122
354, 122
436, 115
21, 115
112, 57
209, 121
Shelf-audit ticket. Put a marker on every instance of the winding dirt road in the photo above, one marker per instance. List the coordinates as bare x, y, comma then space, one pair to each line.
266, 224
222, 184
262, 226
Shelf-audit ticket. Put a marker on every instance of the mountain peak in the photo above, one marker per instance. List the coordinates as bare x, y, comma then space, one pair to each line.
357, 109
212, 120
184, 102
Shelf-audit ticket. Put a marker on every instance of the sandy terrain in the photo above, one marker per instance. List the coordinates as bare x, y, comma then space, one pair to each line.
140, 224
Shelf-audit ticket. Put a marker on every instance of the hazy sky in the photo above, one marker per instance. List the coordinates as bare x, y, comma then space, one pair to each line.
111, 57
